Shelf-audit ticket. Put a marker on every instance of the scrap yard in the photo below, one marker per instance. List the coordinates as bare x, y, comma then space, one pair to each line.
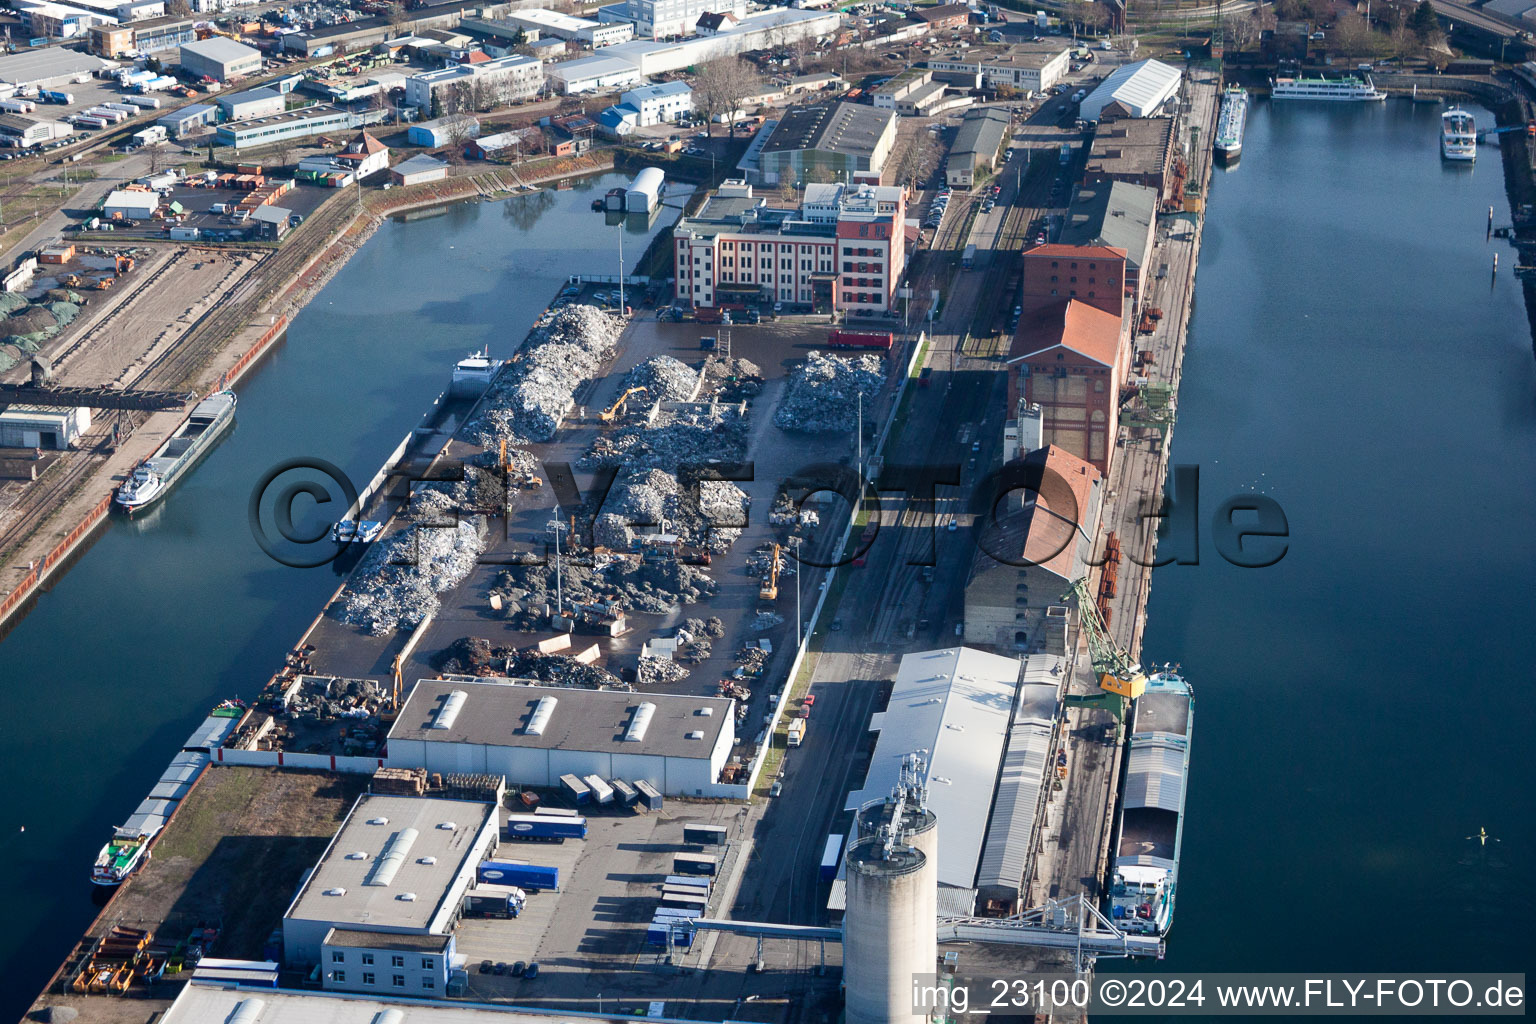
642, 685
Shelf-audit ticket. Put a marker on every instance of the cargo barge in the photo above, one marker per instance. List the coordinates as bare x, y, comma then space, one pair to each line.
128, 849
1150, 832
153, 477
1231, 122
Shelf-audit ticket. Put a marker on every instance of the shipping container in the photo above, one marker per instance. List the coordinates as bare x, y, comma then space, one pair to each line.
656, 935
678, 913
684, 890
684, 901
882, 340
650, 796
695, 864
601, 791
545, 827
575, 789
693, 881
704, 835
524, 876
626, 793
830, 856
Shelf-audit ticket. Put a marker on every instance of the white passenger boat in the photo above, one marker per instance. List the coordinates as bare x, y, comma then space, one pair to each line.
1348, 89
1458, 135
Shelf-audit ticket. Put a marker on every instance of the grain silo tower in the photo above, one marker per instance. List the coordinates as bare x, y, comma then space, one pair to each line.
889, 929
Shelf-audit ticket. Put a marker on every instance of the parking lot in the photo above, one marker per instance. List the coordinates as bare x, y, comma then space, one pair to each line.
609, 891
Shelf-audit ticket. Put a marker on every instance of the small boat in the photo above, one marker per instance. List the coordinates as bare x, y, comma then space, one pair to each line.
350, 531
1458, 135
152, 478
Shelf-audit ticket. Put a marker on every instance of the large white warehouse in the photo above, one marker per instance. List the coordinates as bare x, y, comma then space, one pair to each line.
1132, 90
532, 734
644, 193
955, 704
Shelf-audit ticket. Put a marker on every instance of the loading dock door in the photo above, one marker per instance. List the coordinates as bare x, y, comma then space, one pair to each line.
30, 439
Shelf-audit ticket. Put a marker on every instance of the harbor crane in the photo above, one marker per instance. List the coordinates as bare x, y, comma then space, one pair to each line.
616, 410
1120, 677
769, 591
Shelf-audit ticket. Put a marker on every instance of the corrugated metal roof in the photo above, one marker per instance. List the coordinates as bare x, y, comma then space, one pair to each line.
954, 703
1140, 87
1025, 770
214, 730
1155, 776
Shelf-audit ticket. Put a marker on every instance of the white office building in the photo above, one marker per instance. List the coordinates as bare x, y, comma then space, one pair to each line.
562, 26
660, 19
377, 913
451, 90
659, 104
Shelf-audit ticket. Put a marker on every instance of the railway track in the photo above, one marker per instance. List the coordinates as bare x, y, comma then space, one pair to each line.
173, 368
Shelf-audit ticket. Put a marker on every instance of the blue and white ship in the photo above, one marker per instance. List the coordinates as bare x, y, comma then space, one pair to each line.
1145, 872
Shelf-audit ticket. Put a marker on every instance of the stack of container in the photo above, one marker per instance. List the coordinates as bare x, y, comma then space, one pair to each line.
683, 898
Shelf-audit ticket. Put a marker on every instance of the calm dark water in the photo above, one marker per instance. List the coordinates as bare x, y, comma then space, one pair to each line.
116, 665
1362, 707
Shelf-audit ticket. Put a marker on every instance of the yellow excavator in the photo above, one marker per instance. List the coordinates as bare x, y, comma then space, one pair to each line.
616, 410
769, 591
525, 479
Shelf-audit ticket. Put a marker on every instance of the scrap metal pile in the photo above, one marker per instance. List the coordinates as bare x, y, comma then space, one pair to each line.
654, 671
476, 656
711, 516
664, 379
526, 402
655, 586
823, 393
731, 380
695, 435
397, 583
334, 697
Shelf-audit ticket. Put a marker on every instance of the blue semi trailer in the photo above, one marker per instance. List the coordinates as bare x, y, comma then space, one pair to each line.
524, 876
545, 827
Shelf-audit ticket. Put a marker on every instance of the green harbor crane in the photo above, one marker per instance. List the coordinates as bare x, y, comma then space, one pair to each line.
1121, 679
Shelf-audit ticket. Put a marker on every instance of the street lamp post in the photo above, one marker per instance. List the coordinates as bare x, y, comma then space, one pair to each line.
555, 526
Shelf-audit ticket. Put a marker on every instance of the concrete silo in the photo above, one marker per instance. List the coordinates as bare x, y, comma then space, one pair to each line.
890, 927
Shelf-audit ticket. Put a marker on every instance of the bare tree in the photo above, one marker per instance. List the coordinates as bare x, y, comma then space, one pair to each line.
178, 9
458, 130
719, 88
154, 158
395, 13
482, 94
1351, 36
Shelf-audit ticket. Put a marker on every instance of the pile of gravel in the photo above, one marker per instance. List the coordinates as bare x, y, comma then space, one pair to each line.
527, 401
397, 583
665, 379
823, 393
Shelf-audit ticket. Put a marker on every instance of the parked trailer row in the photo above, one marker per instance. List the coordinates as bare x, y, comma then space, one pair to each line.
144, 102
17, 106
110, 116
85, 121
692, 881
575, 789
